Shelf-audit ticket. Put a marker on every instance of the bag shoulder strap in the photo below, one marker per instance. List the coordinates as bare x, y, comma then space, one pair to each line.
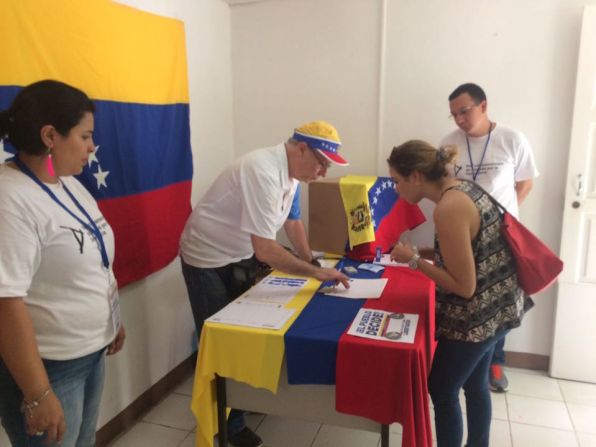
500, 207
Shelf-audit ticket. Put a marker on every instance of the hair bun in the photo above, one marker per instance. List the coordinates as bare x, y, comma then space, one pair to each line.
442, 154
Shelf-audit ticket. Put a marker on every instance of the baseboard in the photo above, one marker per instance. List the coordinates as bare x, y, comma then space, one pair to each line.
130, 415
527, 361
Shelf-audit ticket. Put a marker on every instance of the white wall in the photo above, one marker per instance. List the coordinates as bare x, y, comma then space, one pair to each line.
155, 310
298, 61
381, 71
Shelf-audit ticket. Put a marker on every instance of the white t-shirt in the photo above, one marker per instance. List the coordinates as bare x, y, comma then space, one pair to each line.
251, 196
54, 263
508, 159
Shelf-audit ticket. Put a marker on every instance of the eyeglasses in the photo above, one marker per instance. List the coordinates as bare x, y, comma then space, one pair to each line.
463, 111
323, 162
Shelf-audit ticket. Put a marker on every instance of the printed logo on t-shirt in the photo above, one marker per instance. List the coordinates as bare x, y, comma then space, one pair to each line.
78, 235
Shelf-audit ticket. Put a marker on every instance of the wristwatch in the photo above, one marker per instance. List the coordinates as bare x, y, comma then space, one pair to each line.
413, 262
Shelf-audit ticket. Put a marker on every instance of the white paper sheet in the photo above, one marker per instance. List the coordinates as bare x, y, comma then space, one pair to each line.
383, 325
386, 260
360, 288
253, 314
275, 289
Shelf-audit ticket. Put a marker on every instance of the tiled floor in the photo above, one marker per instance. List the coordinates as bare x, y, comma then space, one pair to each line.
537, 411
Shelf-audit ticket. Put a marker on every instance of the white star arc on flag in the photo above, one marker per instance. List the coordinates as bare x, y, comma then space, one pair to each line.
92, 158
100, 176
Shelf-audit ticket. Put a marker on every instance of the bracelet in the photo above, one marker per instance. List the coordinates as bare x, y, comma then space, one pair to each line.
29, 406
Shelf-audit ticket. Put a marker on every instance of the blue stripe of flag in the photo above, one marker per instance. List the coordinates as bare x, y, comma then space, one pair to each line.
145, 147
381, 197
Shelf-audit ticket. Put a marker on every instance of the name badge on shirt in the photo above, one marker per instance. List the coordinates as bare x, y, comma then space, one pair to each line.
114, 301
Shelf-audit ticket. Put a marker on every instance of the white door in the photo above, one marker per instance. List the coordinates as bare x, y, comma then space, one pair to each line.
574, 346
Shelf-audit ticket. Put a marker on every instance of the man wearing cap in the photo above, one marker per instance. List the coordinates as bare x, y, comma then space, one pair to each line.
237, 220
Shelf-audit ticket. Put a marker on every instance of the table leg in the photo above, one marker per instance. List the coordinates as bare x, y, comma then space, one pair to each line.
384, 435
222, 423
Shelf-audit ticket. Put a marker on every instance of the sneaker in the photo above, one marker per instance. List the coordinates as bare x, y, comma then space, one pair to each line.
245, 438
497, 380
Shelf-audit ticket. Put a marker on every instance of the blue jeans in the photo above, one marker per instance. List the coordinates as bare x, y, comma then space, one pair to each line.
458, 365
210, 290
498, 357
77, 383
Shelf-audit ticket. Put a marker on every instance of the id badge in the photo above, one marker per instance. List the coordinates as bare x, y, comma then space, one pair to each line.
114, 301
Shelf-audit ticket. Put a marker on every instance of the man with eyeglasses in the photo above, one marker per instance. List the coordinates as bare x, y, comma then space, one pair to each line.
498, 158
236, 222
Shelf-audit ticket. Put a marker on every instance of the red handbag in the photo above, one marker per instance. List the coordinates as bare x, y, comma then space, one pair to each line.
536, 265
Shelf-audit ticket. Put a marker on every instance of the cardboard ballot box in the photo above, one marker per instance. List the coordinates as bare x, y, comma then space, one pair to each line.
327, 223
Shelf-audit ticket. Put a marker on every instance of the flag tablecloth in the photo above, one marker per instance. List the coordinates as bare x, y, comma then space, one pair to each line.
386, 381
311, 342
249, 355
396, 371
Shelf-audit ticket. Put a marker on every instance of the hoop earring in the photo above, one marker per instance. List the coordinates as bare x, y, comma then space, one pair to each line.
49, 163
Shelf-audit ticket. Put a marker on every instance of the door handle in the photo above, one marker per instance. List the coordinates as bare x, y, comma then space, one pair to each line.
579, 185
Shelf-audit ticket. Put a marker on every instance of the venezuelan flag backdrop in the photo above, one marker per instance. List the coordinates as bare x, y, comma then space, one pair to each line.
133, 65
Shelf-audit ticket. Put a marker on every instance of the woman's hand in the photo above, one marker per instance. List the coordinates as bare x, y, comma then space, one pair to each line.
46, 418
402, 252
118, 342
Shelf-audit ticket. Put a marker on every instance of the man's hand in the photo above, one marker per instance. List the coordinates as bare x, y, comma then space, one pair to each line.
329, 274
118, 342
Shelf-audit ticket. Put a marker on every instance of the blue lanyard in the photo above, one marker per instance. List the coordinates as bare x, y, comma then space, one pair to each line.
91, 226
475, 174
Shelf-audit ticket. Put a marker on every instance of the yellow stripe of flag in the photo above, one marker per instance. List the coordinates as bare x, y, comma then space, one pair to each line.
84, 43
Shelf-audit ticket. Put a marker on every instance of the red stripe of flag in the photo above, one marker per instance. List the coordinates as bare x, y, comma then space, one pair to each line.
147, 228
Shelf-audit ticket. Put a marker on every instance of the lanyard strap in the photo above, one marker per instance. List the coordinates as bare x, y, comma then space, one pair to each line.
91, 226
475, 174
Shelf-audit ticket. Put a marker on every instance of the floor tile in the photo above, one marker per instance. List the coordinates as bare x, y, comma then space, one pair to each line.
586, 439
500, 435
185, 387
144, 434
278, 431
543, 412
530, 410
253, 420
578, 392
583, 417
394, 439
173, 411
533, 385
531, 435
331, 436
499, 402
189, 441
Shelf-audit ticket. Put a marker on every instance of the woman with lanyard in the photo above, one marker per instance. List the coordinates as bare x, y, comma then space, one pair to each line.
59, 309
478, 298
